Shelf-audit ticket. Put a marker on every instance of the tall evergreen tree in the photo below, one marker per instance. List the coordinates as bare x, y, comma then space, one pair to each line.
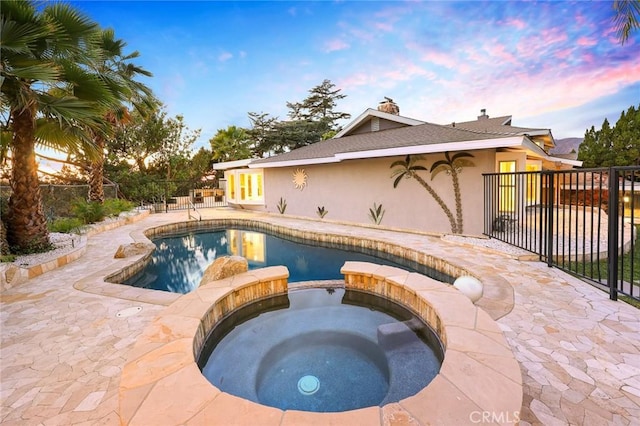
617, 146
319, 105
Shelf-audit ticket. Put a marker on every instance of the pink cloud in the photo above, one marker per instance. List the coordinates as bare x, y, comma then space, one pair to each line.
563, 54
224, 56
514, 22
551, 36
335, 44
586, 42
383, 26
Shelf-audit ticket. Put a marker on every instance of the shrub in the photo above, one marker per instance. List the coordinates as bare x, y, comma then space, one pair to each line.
115, 206
88, 211
66, 225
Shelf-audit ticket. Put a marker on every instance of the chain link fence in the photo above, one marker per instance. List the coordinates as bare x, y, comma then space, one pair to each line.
58, 199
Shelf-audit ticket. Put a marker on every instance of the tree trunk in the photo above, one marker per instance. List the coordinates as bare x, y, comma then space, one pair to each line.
25, 219
425, 185
96, 175
4, 245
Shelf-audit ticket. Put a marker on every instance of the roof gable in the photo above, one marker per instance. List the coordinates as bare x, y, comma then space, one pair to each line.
366, 123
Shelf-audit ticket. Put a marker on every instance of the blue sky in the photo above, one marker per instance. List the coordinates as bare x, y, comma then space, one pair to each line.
553, 65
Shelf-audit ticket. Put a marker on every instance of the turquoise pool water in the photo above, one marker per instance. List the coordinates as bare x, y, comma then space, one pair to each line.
179, 261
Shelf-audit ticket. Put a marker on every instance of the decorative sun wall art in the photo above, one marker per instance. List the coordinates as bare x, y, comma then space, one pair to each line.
299, 179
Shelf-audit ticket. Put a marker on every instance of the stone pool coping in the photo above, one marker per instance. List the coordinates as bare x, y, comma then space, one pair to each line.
161, 382
498, 298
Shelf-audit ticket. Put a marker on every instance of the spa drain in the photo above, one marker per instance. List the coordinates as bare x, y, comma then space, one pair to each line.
308, 385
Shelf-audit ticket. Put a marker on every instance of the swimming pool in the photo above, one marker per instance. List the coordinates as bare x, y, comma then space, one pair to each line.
179, 261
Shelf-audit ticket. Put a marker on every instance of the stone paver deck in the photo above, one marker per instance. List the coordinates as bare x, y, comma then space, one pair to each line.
63, 350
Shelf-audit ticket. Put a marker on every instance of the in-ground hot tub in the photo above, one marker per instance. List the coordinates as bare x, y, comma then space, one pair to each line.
322, 349
161, 382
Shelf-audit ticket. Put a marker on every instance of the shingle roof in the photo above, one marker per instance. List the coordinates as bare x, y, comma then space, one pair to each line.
495, 125
422, 134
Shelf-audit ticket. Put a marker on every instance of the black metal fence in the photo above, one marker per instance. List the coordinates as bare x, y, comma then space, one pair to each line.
585, 222
164, 196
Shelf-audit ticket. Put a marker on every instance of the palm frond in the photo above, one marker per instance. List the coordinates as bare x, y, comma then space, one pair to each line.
18, 37
627, 18
414, 168
69, 27
28, 69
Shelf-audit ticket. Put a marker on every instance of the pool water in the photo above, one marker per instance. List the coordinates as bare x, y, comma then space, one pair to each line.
179, 262
322, 350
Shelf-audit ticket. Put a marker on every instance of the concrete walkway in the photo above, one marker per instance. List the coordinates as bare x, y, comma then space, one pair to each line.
62, 349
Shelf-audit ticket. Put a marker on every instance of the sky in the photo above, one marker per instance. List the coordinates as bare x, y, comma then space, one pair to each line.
554, 65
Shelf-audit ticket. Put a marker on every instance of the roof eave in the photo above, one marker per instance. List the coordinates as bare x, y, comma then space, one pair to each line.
508, 142
294, 163
232, 164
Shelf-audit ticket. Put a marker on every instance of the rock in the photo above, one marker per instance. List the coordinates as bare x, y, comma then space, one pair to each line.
224, 267
133, 249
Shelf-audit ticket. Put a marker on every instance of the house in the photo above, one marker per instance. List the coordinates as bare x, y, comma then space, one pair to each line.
348, 175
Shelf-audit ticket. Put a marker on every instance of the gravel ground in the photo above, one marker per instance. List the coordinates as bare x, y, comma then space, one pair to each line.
64, 243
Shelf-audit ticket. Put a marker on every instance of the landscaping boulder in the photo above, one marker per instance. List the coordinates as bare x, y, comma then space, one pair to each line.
133, 249
224, 267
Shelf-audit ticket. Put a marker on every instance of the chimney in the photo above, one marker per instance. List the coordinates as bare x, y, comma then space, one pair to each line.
389, 106
484, 115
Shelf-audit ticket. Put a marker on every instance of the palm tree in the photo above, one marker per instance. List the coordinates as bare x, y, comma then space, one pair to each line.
453, 166
407, 169
114, 68
230, 144
48, 97
627, 18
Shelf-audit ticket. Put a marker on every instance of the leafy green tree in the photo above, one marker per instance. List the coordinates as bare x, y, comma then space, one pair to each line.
137, 139
627, 18
408, 169
452, 165
174, 147
232, 143
617, 146
49, 96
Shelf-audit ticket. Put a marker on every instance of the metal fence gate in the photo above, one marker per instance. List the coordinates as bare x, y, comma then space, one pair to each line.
585, 222
181, 195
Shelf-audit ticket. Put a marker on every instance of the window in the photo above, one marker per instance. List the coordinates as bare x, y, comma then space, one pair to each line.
533, 181
245, 186
507, 185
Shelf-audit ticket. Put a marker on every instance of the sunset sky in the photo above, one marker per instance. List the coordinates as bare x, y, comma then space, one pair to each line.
554, 65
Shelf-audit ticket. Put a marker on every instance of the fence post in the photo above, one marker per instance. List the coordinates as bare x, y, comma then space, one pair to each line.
550, 205
613, 221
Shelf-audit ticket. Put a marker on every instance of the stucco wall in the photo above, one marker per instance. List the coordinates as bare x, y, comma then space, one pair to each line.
349, 189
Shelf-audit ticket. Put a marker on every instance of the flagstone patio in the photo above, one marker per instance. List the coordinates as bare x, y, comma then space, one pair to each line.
63, 349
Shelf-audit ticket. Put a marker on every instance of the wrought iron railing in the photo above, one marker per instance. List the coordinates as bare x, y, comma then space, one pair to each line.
582, 221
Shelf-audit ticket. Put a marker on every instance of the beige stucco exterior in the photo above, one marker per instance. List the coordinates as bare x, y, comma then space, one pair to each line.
347, 190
